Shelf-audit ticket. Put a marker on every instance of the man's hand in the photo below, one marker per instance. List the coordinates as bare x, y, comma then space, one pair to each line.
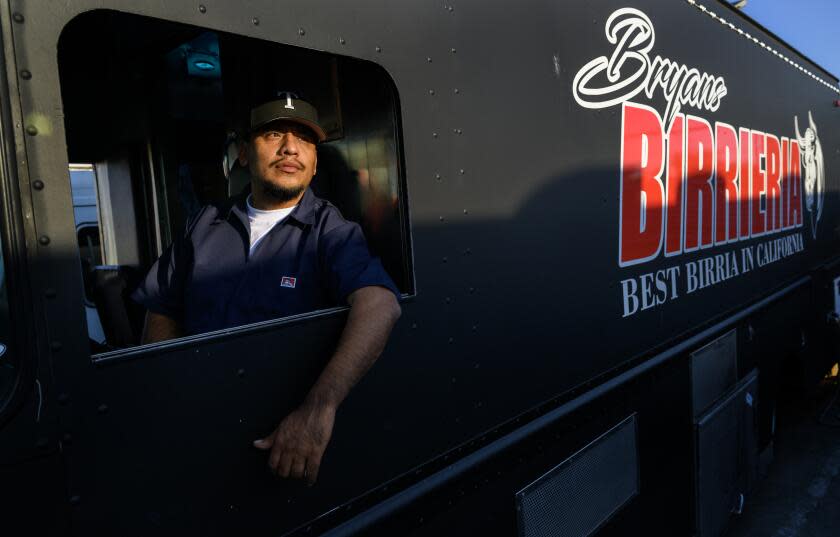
160, 327
298, 443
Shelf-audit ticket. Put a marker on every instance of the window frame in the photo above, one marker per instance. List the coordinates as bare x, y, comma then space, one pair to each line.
403, 214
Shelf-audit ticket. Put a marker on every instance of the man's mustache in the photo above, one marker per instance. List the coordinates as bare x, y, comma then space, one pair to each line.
286, 162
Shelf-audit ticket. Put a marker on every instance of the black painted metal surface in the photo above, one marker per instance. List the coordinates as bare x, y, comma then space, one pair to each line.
514, 196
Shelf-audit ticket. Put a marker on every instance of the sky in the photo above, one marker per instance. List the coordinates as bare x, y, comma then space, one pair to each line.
810, 26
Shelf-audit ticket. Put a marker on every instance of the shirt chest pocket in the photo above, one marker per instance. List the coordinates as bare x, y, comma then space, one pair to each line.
287, 286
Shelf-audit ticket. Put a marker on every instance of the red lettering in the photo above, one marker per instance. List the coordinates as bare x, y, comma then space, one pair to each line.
642, 191
784, 184
744, 184
774, 173
721, 185
795, 208
726, 176
758, 185
699, 201
676, 146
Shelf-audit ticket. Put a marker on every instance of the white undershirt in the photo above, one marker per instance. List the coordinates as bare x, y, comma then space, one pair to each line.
261, 222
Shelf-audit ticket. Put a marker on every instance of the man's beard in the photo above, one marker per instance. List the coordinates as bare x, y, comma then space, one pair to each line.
280, 193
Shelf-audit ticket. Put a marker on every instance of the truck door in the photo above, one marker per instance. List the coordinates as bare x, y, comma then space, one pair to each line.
162, 434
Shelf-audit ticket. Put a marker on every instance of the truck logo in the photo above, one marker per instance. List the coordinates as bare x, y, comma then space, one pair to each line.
690, 190
812, 160
606, 82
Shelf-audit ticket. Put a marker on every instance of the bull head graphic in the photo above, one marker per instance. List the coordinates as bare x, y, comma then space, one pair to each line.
811, 156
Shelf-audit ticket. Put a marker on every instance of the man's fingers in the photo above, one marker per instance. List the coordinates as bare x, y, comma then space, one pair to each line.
264, 443
297, 445
312, 466
285, 465
298, 468
274, 458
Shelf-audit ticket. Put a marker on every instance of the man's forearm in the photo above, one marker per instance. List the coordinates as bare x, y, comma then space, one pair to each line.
298, 443
373, 312
159, 327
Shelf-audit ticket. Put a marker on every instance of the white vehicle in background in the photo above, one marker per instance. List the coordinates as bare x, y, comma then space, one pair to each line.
86, 217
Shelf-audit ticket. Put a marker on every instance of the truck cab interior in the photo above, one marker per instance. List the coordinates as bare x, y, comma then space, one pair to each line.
149, 106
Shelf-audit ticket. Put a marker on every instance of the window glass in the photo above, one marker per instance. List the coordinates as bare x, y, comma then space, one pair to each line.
86, 215
154, 125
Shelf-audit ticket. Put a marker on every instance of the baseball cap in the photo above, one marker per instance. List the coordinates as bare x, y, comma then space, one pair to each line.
288, 107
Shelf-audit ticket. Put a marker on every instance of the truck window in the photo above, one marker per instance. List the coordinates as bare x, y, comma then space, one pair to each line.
153, 126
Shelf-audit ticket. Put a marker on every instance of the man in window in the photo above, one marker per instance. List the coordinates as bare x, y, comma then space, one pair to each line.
273, 251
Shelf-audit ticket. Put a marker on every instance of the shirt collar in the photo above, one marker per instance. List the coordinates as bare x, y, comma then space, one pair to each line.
303, 213
237, 207
305, 210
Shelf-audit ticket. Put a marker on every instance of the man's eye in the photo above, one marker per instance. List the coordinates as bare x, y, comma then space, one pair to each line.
273, 134
304, 135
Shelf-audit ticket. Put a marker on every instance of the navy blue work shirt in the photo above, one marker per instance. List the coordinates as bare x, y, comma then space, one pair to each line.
207, 279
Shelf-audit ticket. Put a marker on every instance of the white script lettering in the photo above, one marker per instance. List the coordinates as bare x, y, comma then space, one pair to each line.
629, 70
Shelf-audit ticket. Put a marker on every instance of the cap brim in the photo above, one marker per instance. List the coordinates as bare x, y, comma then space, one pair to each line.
319, 132
296, 110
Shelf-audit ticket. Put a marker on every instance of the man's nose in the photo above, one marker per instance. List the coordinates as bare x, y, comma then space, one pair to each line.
289, 145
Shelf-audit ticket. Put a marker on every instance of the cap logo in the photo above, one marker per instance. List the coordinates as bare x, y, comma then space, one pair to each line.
289, 96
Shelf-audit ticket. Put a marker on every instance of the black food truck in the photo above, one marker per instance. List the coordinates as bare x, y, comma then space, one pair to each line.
614, 226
